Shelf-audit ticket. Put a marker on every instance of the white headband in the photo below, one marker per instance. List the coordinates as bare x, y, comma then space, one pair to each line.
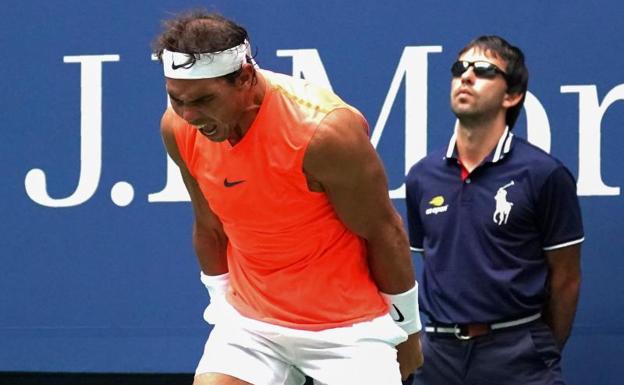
208, 65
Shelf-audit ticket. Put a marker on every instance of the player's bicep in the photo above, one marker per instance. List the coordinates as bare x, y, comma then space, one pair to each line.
341, 158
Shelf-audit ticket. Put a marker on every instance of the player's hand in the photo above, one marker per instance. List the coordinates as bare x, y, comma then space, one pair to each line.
409, 355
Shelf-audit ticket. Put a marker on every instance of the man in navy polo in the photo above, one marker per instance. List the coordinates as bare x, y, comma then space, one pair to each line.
499, 225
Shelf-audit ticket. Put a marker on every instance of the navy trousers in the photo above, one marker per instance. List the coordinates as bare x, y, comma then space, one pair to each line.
524, 355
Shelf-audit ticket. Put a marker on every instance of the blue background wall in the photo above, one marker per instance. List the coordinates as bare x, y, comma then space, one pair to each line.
99, 286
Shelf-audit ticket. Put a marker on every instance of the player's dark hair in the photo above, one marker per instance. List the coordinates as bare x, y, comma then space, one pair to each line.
199, 31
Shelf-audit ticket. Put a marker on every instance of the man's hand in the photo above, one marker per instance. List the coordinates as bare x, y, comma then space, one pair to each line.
409, 355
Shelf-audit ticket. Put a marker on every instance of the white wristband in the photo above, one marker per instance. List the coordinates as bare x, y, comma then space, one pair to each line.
404, 309
217, 285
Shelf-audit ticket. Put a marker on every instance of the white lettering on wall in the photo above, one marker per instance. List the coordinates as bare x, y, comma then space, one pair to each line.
591, 111
90, 137
413, 66
174, 190
538, 127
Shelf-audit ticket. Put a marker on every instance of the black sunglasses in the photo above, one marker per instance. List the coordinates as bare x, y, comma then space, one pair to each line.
481, 68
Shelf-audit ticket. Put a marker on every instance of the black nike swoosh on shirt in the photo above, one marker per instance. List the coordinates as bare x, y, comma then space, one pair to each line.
226, 183
401, 317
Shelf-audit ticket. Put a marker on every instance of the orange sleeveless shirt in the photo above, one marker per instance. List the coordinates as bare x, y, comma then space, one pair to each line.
292, 262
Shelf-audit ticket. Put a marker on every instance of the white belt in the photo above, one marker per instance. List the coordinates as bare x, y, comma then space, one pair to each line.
499, 325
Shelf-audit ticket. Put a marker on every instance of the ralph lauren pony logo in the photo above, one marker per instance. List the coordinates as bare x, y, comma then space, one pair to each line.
503, 207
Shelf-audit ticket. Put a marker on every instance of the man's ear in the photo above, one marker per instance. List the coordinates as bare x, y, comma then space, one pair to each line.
245, 78
511, 99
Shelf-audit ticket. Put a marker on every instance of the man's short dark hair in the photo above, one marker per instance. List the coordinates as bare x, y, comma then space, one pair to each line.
517, 73
199, 31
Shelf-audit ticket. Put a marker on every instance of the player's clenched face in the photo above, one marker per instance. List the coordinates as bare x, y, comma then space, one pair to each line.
214, 106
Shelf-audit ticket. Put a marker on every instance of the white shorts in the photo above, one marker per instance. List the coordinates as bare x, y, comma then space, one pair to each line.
266, 354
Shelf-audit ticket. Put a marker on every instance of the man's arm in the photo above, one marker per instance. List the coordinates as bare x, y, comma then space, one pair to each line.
209, 240
341, 160
564, 287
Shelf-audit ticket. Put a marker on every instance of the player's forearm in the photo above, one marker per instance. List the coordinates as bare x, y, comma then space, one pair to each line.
390, 260
210, 246
561, 308
391, 266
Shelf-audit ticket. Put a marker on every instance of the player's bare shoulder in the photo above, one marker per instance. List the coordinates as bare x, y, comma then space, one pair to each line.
168, 123
341, 127
338, 146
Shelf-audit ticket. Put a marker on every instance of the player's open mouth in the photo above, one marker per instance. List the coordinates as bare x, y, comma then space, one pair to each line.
202, 129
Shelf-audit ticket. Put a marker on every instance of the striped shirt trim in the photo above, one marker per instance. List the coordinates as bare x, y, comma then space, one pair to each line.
451, 146
559, 246
502, 148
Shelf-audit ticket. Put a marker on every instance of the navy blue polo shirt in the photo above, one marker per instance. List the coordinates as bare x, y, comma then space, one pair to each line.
483, 238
